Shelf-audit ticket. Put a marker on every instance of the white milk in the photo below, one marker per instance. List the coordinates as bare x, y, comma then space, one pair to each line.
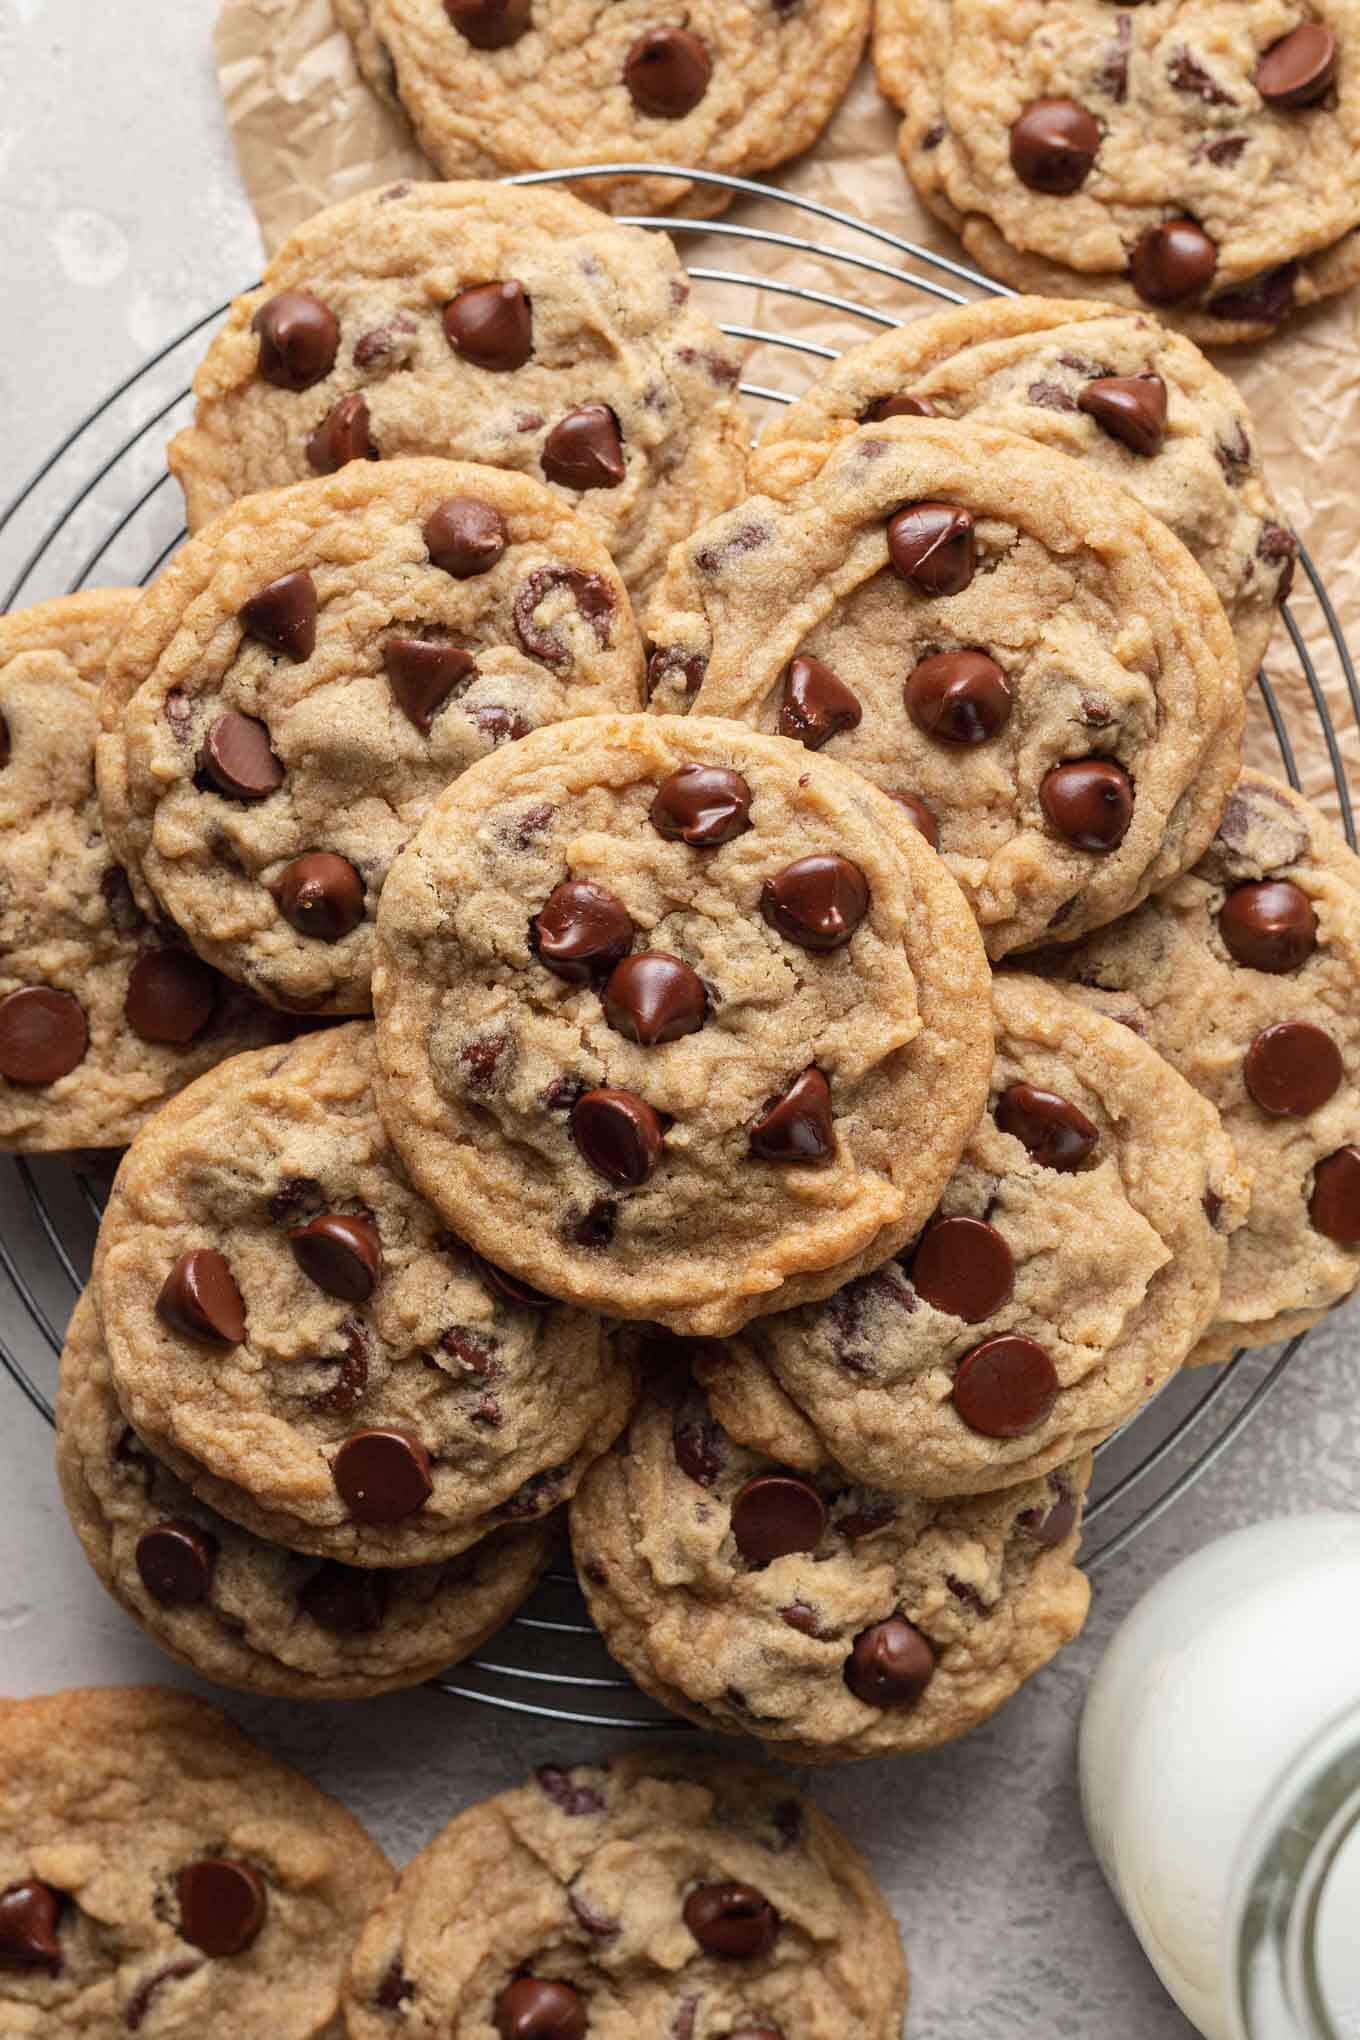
1217, 1682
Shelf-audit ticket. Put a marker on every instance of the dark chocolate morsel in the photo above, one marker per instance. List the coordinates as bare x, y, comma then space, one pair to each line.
774, 1514
175, 1561
422, 673
222, 1905
1269, 926
1054, 143
465, 537
321, 895
901, 404
618, 1133
817, 902
1089, 801
491, 325
283, 616
817, 703
667, 72
43, 1034
1131, 408
382, 1476
1172, 262
489, 24
703, 805
932, 546
581, 931
342, 1254
238, 759
345, 1600
1300, 68
798, 1126
540, 2008
959, 697
344, 434
891, 1664
29, 1916
200, 1299
1334, 1206
654, 997
1292, 1069
963, 1266
299, 339
733, 1921
584, 450
1055, 1132
1006, 1387
922, 815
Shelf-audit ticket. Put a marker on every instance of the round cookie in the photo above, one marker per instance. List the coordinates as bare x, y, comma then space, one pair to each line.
669, 1895
703, 1012
1043, 666
311, 670
1191, 155
293, 1332
1119, 391
103, 1013
1245, 974
763, 1592
497, 85
160, 1874
1074, 1259
519, 329
255, 1615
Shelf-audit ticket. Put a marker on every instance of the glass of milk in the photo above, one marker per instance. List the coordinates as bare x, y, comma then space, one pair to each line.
1220, 1772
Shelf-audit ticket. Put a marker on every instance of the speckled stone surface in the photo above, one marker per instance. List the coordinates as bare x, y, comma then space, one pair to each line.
116, 226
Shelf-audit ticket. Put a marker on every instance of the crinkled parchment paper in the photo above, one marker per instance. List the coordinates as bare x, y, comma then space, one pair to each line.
309, 132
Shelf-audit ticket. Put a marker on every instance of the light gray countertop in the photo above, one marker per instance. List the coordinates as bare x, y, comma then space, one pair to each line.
121, 217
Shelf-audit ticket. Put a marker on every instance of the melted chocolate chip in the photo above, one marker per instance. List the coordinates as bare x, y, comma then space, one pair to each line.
594, 599
581, 931
901, 404
958, 697
238, 759
1050, 1127
668, 659
733, 1921
534, 2008
963, 1266
817, 703
654, 997
618, 1134
584, 450
890, 1664
345, 1600
1292, 1069
1188, 74
342, 1254
200, 1299
465, 537
382, 1476
321, 895
1261, 299
343, 435
817, 902
1006, 1387
1131, 408
299, 339
43, 1034
175, 1561
1089, 802
667, 72
699, 1445
283, 616
775, 1514
932, 546
491, 325
922, 815
1054, 143
702, 805
222, 1905
171, 996
1269, 926
798, 1126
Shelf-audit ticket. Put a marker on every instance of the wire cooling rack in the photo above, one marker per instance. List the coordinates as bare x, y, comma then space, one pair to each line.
102, 510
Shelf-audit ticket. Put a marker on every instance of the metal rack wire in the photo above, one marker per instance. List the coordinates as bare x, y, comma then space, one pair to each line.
102, 509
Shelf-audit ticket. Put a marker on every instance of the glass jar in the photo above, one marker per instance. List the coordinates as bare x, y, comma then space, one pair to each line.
1220, 1768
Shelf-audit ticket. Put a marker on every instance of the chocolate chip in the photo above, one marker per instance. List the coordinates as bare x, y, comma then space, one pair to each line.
1006, 1387
1131, 408
556, 1783
491, 325
43, 1034
29, 1913
139, 2004
963, 1266
382, 1476
176, 1561
465, 537
734, 544
1187, 74
1224, 150
221, 1905
341, 1254
1269, 926
601, 1926
1051, 396
667, 72
594, 599
958, 697
4, 743
1050, 1127
699, 1446
922, 815
817, 902
345, 1600
321, 895
1334, 1206
581, 931
171, 996
201, 1300
1050, 1527
584, 450
532, 2008
489, 24
1053, 146
397, 337
1172, 262
1264, 298
422, 673
1276, 546
509, 1287
1298, 70
1112, 78
933, 547
593, 1228
296, 1198
774, 1514
395, 1988
618, 1133
798, 1126
734, 1921
654, 997
499, 725
901, 404
350, 1386
891, 1664
237, 758
702, 805
1089, 801
668, 659
283, 616
299, 340
342, 436
480, 1059
817, 703
1292, 1068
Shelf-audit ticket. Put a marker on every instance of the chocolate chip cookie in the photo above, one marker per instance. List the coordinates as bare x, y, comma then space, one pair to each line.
1190, 155
312, 670
764, 1592
293, 1332
1117, 390
1037, 671
251, 1614
1073, 1261
660, 1895
519, 329
1245, 975
495, 85
703, 1012
161, 1875
103, 1013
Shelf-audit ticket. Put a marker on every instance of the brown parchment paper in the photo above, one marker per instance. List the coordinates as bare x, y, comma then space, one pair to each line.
309, 132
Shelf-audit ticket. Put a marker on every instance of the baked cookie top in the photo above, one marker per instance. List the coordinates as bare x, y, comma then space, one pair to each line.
1117, 390
665, 1893
1187, 154
1074, 1259
161, 1875
103, 1013
1245, 974
519, 329
311, 670
252, 1614
762, 1591
1043, 666
703, 1012
292, 1330
491, 85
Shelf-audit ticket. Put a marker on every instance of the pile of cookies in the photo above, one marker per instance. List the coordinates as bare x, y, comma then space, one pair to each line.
830, 1061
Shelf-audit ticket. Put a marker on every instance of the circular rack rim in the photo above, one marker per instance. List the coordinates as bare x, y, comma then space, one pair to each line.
1213, 1421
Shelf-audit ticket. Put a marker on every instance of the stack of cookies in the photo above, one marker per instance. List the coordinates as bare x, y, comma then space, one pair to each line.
830, 1063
